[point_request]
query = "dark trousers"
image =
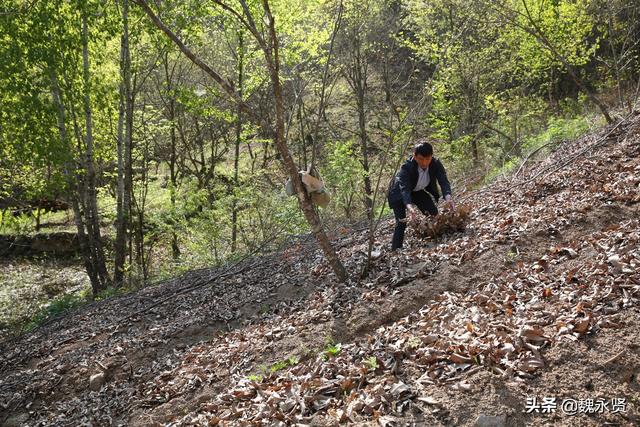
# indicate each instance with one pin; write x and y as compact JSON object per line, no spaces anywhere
{"x":423,"y":201}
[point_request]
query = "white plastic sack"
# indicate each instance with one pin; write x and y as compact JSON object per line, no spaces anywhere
{"x":313,"y":186}
{"x":311,"y":183}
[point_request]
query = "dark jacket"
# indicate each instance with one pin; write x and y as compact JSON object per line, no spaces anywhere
{"x":406,"y":179}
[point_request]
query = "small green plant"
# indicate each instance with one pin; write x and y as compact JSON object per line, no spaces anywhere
{"x":255,"y":378}
{"x":293,"y":360}
{"x":278,"y":366}
{"x":331,"y":349}
{"x":414,"y":342}
{"x":371,"y":363}
{"x":265,"y":308}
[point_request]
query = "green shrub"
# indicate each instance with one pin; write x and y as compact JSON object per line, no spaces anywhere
{"x":57,"y":306}
{"x":502,"y":170}
{"x":344,"y":177}
{"x":20,"y":224}
{"x":559,"y":129}
{"x":556,"y":130}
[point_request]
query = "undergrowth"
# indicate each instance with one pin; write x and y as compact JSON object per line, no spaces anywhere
{"x":557,"y":130}
{"x":65,"y":303}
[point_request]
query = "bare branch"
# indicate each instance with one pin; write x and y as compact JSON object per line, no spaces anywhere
{"x":195,"y":59}
{"x":249,"y":23}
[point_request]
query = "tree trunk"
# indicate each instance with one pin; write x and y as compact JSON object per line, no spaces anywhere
{"x":474,"y":151}
{"x":236,"y":158}
{"x":142,"y":257}
{"x":73,"y":182}
{"x":358,"y":84}
{"x":303,"y":136}
{"x":173,"y":163}
{"x":615,"y":57}
{"x":93,"y":219}
{"x":119,"y":248}
{"x":364,"y":149}
{"x":273,"y":63}
{"x":124,"y":152}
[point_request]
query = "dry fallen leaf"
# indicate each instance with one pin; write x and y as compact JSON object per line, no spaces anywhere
{"x":582,"y":326}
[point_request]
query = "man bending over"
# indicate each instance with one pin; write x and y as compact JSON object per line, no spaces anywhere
{"x":414,"y":189}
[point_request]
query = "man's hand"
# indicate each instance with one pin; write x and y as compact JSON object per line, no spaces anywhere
{"x":449,"y":200}
{"x":412,"y":212}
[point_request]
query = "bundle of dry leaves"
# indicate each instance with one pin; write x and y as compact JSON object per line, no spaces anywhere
{"x":448,"y":222}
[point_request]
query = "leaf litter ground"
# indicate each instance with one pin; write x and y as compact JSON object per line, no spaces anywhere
{"x":537,"y":298}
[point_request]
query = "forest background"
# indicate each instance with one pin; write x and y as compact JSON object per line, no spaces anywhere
{"x":161,"y":133}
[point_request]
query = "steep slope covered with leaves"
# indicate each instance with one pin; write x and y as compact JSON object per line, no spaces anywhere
{"x":538,"y":297}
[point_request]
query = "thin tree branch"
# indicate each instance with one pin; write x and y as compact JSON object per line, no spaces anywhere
{"x":249,"y":23}
{"x":196,"y":60}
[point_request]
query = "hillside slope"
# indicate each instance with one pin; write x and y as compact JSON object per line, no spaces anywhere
{"x":538,"y":298}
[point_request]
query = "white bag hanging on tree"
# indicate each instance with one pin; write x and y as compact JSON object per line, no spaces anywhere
{"x":313,"y":185}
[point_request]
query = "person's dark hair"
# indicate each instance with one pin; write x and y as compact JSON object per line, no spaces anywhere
{"x":423,"y":148}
